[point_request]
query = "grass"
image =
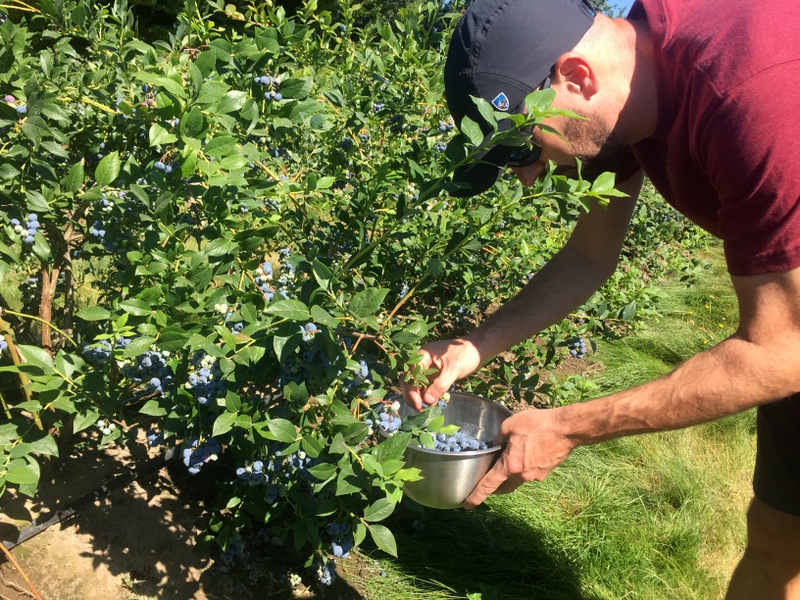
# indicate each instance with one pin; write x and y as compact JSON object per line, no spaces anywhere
{"x":658,"y":517}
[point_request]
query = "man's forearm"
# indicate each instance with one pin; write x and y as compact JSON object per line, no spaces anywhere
{"x":562,"y":285}
{"x":729,"y":378}
{"x":585,"y":262}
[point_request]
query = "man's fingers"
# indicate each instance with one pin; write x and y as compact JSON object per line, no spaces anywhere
{"x":490,"y":482}
{"x":435,"y":390}
{"x":412,"y":396}
{"x":411,"y":393}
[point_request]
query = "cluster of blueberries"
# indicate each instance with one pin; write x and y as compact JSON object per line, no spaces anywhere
{"x":150,"y":367}
{"x":97,"y":353}
{"x":3,"y":345}
{"x":388,"y":423}
{"x":165,"y":168}
{"x":197,"y":454}
{"x":154,"y":438}
{"x":30,"y":228}
{"x":327,"y":572}
{"x":205,"y":383}
{"x":309,"y":330}
{"x":459,"y":442}
{"x":267,"y":81}
{"x":342,"y":542}
{"x":263,"y":276}
{"x":440,"y":146}
{"x":18,"y":106}
{"x":577,"y":347}
{"x":97,"y":229}
{"x":234,"y":548}
{"x":277,"y":152}
{"x":276,"y":472}
{"x":254,"y":473}
{"x":105,"y":426}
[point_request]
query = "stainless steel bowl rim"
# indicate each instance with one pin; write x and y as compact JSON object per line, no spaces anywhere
{"x":491,"y":450}
{"x":453,"y":454}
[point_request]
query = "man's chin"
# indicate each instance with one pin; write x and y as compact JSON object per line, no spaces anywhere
{"x":592,"y":168}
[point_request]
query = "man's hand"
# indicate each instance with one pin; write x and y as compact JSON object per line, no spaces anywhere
{"x":452,"y":359}
{"x":535,"y":445}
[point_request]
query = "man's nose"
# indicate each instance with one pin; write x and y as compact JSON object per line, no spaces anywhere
{"x":528,"y":174}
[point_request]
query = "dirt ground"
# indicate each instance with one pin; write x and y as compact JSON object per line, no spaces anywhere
{"x":134,"y":542}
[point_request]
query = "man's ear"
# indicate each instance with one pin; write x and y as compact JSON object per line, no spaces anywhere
{"x":574,"y":72}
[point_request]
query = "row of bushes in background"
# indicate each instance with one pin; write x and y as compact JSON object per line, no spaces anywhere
{"x":233,"y":241}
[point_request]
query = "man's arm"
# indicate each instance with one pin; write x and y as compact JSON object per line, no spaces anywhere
{"x":585,"y":262}
{"x":760,"y":363}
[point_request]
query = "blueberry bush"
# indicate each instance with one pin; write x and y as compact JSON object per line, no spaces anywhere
{"x":233,"y":241}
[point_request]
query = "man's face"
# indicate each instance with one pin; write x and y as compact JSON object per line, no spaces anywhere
{"x":593,"y":141}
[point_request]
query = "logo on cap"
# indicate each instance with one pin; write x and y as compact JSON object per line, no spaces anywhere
{"x":501,"y":102}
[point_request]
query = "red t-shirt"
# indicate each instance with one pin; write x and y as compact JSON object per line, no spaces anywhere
{"x":726,"y":151}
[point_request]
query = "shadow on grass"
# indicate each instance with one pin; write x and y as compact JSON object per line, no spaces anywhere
{"x":481,"y":551}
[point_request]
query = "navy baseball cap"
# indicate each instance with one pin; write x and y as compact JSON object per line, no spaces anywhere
{"x":501,"y":51}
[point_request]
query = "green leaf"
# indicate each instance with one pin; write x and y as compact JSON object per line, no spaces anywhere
{"x":338,"y":445}
{"x":138,"y":345}
{"x":367,"y":302}
{"x":231,"y":101}
{"x":472,"y":130}
{"x":159,"y":81}
{"x":73,"y":181}
{"x":383,"y":539}
{"x":173,"y":338}
{"x":629,"y":311}
{"x":136,"y":307}
{"x":540,"y":100}
{"x":193,"y":123}
{"x":38,"y":357}
{"x":153,"y":409}
{"x":293,"y":310}
{"x":486,"y":110}
{"x":108,"y":169}
{"x":223,"y":423}
{"x":220,"y":146}
{"x":93,"y":313}
{"x":426,"y":439}
{"x":85,"y":420}
{"x":392,"y":448}
{"x":323,"y":472}
{"x":22,"y":475}
{"x":379,"y":510}
{"x":347,"y":482}
{"x":322,"y":274}
{"x":436,"y":423}
{"x":160,"y":136}
{"x":322,"y":317}
{"x":603,"y":183}
{"x":283,"y":430}
{"x":297,"y":89}
{"x":8,"y":172}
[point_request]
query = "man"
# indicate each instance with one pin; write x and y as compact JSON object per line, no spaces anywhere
{"x":700,"y":95}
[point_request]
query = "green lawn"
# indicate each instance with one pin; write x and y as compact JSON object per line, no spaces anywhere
{"x":659,"y":516}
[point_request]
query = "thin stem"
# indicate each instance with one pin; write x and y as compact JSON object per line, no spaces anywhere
{"x":21,"y":572}
{"x":35,"y":318}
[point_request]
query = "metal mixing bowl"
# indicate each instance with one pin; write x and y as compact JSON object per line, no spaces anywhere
{"x":449,"y":477}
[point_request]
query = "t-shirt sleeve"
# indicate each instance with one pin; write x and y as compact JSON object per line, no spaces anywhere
{"x":751,"y":144}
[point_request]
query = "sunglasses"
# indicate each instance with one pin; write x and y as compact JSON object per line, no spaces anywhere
{"x":530,"y":152}
{"x":524,"y":155}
